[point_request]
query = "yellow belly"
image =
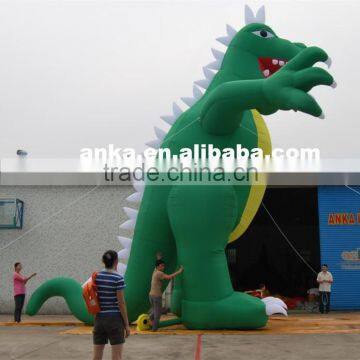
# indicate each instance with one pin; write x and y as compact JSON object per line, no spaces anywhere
{"x":257,"y":191}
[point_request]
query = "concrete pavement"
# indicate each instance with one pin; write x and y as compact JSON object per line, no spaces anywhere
{"x":34,"y":341}
{"x":45,"y":343}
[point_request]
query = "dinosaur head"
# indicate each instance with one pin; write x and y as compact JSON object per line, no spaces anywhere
{"x":256,"y":51}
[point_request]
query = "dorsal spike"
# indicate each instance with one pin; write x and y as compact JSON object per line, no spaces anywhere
{"x":136,"y":197}
{"x":125,"y":242}
{"x":249,"y":15}
{"x":154,"y":143}
{"x":131,"y":213}
{"x":197,"y":92}
{"x":215,"y":65}
{"x":128,"y":225}
{"x":160,"y":133}
{"x":230,"y":31}
{"x":124,"y":254}
{"x":204,"y":83}
{"x":218,"y":55}
{"x":121,"y":268}
{"x":169,"y":119}
{"x":177,"y":109}
{"x":139,"y":185}
{"x":225,"y":40}
{"x":189,"y":101}
{"x":260,"y":15}
{"x":208,"y":73}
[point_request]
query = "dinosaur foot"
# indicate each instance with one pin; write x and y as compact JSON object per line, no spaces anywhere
{"x":236,"y":311}
{"x":274,"y":306}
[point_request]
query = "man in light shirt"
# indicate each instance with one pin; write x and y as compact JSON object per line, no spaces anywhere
{"x":155,"y":295}
{"x":325,"y":280}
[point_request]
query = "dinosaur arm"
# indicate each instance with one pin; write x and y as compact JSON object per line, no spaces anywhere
{"x":224,"y":108}
{"x":287,"y":89}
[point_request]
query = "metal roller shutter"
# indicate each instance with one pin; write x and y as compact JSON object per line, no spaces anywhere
{"x":339,"y":222}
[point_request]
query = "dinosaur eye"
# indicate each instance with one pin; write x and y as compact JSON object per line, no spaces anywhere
{"x":264,"y":34}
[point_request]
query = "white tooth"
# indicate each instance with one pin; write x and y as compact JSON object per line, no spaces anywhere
{"x":281,"y":62}
{"x":275,"y":61}
{"x":266,"y":72}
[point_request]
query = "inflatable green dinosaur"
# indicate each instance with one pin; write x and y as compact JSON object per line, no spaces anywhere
{"x":260,"y":73}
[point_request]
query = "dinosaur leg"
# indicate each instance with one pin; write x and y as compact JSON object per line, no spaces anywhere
{"x":202,"y":218}
{"x":152,"y":235}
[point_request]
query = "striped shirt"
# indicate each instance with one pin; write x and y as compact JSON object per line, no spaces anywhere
{"x":108,"y":283}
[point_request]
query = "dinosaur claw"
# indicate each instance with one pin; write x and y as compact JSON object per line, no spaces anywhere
{"x":322,"y":116}
{"x":328,"y":62}
{"x":334,"y":85}
{"x":274,"y":306}
{"x":271,"y":299}
{"x":272,"y":309}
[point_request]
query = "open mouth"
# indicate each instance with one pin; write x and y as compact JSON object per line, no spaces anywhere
{"x":269,"y":66}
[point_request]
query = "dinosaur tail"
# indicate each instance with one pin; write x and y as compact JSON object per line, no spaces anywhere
{"x":67,"y":288}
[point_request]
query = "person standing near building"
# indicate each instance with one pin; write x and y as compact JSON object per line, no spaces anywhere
{"x":19,"y":282}
{"x":155,"y":295}
{"x":325,"y":279}
{"x":111,"y":323}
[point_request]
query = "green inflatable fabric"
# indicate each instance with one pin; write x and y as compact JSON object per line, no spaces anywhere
{"x":67,"y":288}
{"x":260,"y":73}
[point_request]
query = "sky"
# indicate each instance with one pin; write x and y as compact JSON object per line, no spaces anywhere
{"x":78,"y":74}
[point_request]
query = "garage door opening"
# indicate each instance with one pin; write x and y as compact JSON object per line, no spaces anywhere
{"x":263,"y":255}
